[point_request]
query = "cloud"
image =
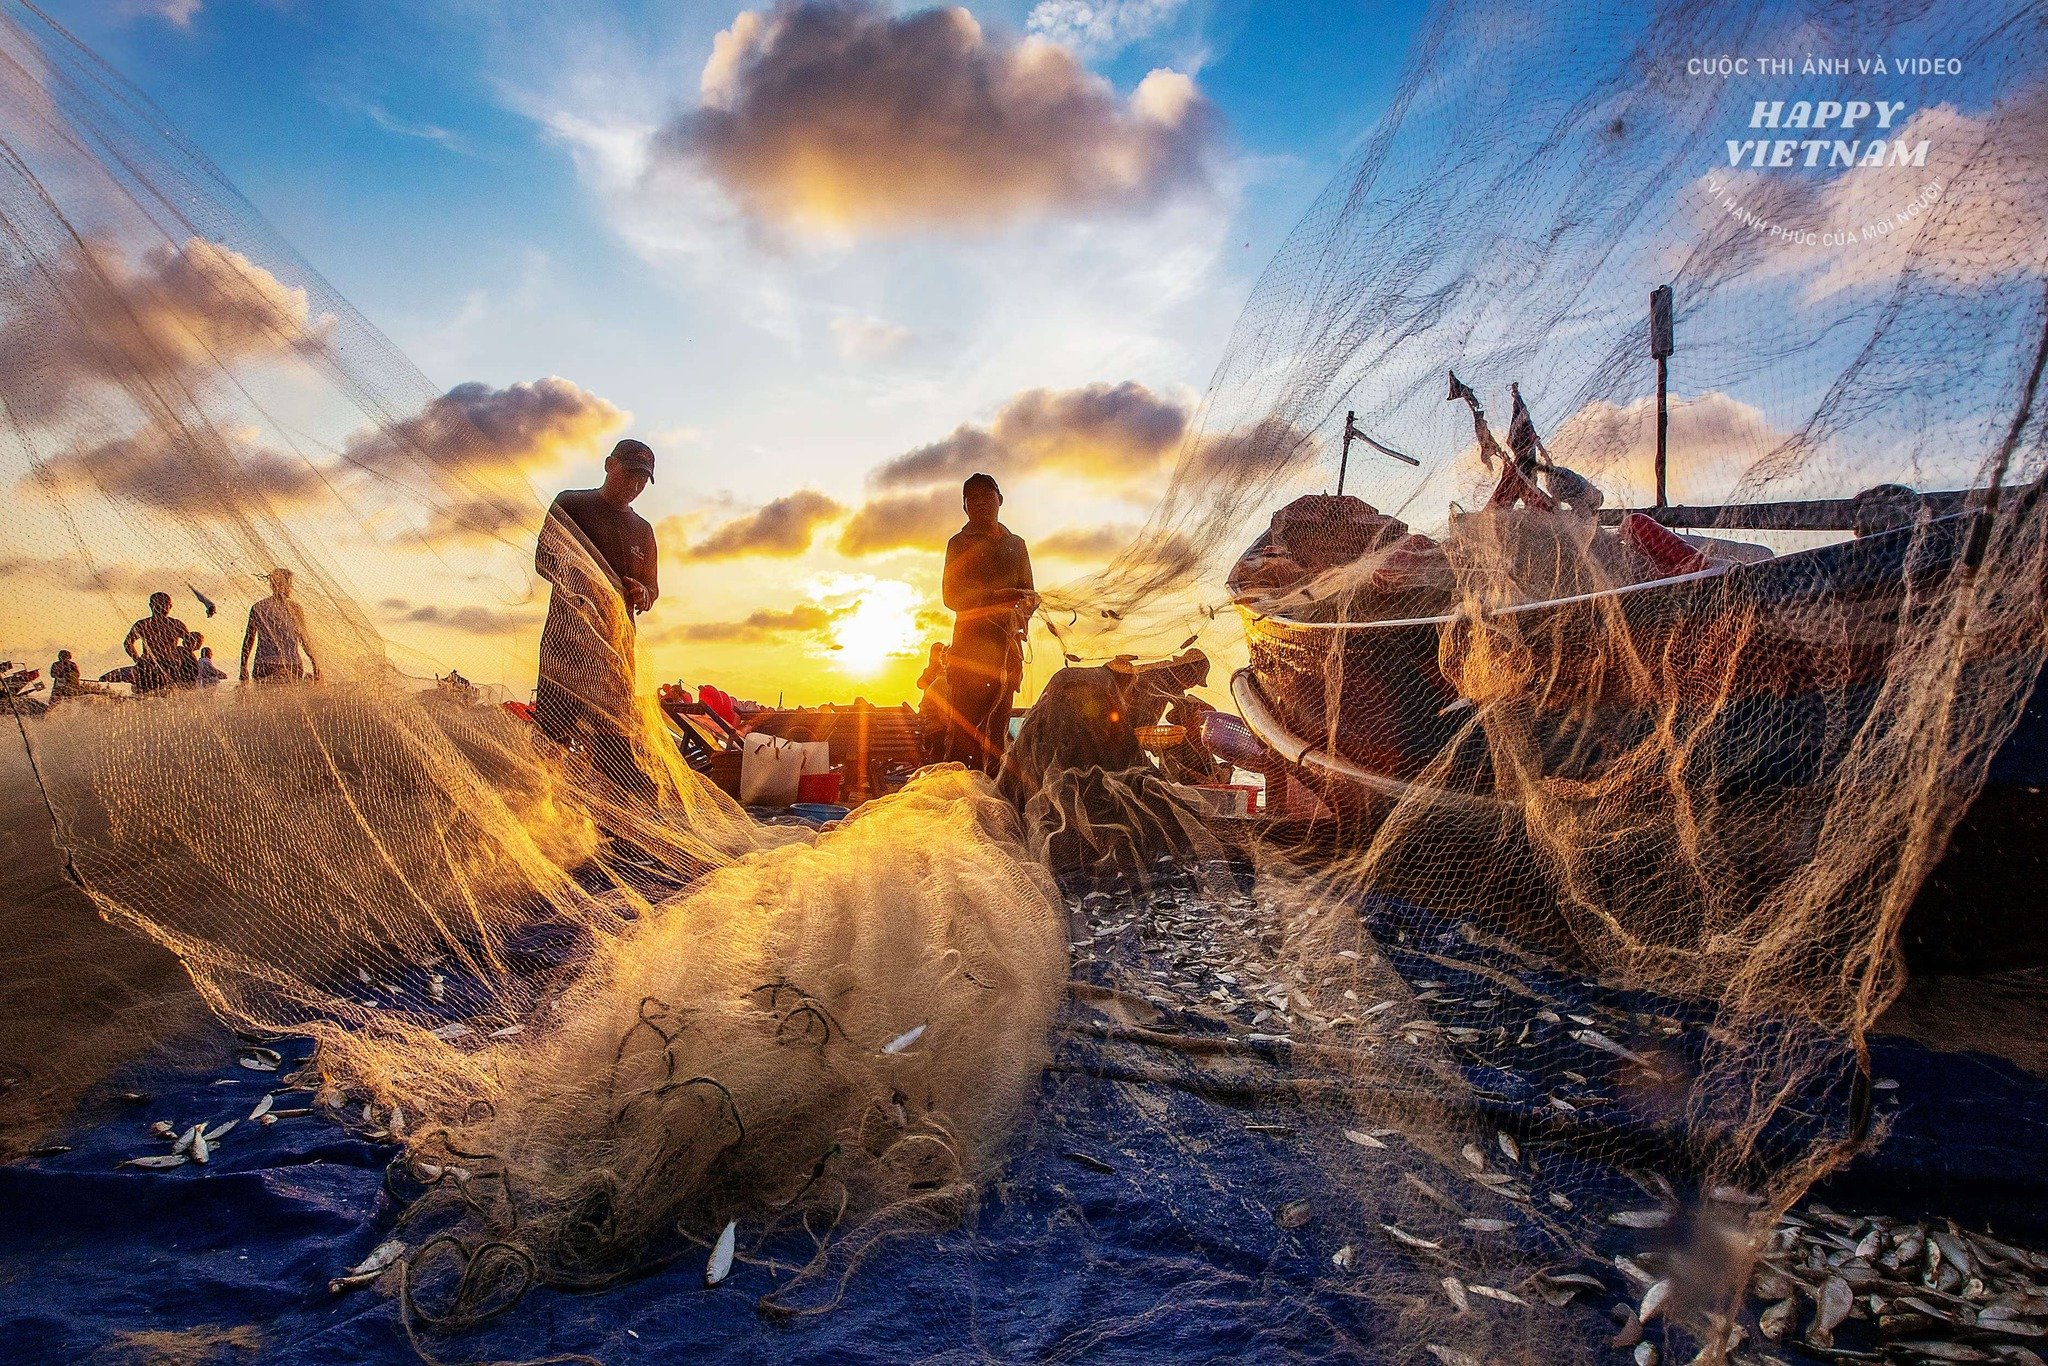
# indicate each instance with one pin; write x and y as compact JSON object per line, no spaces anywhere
{"x":497,"y":435}
{"x":806,"y":618}
{"x":425,"y":132}
{"x":864,"y":340}
{"x":783,"y":528}
{"x":1094,"y":543}
{"x":471,"y":619}
{"x":1992,"y":170}
{"x":1100,"y":28}
{"x":96,"y":321}
{"x":837,"y":115}
{"x":195,"y":471}
{"x":1714,"y":440}
{"x":897,"y":521}
{"x":175,"y":12}
{"x":1116,"y":434}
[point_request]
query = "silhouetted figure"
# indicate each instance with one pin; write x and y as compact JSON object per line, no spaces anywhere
{"x":989,"y":589}
{"x":934,"y":710}
{"x":210,"y":674}
{"x":276,"y":637}
{"x":65,"y":679}
{"x":160,"y":646}
{"x":600,"y":558}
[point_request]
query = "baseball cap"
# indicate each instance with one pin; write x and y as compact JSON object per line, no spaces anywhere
{"x":635,"y":455}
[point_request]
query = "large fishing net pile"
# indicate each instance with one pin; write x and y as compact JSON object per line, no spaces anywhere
{"x":1611,"y":886}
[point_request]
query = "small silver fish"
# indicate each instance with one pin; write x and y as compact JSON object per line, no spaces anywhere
{"x":1473,"y":1157}
{"x":904,"y":1040}
{"x":157,"y":1163}
{"x":1640,"y":1218}
{"x":1362,"y":1139}
{"x":1508,"y":1147}
{"x":1654,"y":1300}
{"x":1504,"y":1296}
{"x":202,"y":1151}
{"x":259,"y":1059}
{"x":720,"y":1265}
{"x":163,"y":1128}
{"x":1486,"y":1225}
{"x":1778,"y":1320}
{"x":1344,"y":1258}
{"x":1407,"y":1239}
{"x":507,"y":1032}
{"x":1294,"y":1214}
{"x":187,"y":1139}
{"x":214,"y":1134}
{"x":1836,"y":1299}
{"x":263,"y":1106}
{"x":1454,"y":1289}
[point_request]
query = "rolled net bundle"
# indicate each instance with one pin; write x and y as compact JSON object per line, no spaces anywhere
{"x":598,"y":1007}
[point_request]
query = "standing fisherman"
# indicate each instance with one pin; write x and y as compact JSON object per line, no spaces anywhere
{"x":599,"y":556}
{"x":276,"y":634}
{"x":988,"y":586}
{"x":161,"y":647}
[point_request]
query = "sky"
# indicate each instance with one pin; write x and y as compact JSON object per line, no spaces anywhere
{"x":818,"y":333}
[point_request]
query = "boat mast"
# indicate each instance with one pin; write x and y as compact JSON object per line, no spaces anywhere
{"x":1660,"y":347}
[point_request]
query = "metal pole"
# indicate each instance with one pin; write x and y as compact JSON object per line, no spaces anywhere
{"x":1661,"y":347}
{"x":1344,"y":459}
{"x":1663,"y":430}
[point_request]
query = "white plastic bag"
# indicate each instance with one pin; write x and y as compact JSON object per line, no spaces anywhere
{"x":769,"y":770}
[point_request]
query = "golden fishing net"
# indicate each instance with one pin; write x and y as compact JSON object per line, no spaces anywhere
{"x":1583,"y":875}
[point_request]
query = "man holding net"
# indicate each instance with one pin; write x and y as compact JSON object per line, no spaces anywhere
{"x":599,"y":557}
{"x":989,"y":589}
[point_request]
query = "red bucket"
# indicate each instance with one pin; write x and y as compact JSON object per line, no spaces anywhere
{"x":818,"y":787}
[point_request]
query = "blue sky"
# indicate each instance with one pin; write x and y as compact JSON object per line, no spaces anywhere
{"x":448,"y":166}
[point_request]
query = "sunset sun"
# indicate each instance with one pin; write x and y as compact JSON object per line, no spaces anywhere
{"x":882,"y":622}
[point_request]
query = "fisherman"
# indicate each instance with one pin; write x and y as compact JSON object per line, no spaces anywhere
{"x":160,"y":646}
{"x":210,"y":675}
{"x":277,"y":636}
{"x":65,"y":680}
{"x":600,"y":558}
{"x":988,"y":586}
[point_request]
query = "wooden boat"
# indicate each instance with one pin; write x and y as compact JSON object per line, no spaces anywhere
{"x":1365,"y":713}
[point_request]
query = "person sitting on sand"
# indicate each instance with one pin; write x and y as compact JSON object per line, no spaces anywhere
{"x":210,"y":674}
{"x":158,"y":644}
{"x":276,"y":636}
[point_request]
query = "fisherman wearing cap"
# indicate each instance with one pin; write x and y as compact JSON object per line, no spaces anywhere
{"x":276,"y":636}
{"x":599,"y":557}
{"x":989,"y":589}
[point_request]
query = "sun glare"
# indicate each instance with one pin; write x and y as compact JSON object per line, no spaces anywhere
{"x":883,"y":623}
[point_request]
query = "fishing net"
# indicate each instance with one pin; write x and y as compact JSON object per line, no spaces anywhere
{"x":1602,"y":834}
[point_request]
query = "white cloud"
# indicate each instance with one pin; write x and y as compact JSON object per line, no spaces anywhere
{"x":1101,"y":28}
{"x":864,"y":340}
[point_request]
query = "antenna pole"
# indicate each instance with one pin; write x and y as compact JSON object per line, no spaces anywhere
{"x":1344,"y":458}
{"x":1660,"y":347}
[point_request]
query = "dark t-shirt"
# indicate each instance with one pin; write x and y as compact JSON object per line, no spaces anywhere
{"x":165,"y":659}
{"x":980,"y":566}
{"x":620,"y":536}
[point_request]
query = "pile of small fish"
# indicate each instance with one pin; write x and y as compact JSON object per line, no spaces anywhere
{"x":1905,"y":1291}
{"x":196,"y":1143}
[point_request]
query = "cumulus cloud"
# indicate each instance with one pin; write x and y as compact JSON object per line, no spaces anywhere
{"x":99,"y":320}
{"x":782,"y":528}
{"x":196,"y":471}
{"x":898,"y":521}
{"x":175,"y":12}
{"x":1099,"y":28}
{"x":806,"y":618}
{"x":1714,"y":440}
{"x":479,"y":432}
{"x":839,"y":115}
{"x":1109,"y":433}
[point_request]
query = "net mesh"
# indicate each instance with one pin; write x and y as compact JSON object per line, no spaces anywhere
{"x":1603,"y":840}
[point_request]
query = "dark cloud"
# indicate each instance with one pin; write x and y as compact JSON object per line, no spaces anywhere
{"x":806,"y":618}
{"x":471,"y":618}
{"x":895,"y":521}
{"x":840,"y":114}
{"x":1113,"y":434}
{"x":491,"y":434}
{"x":782,"y":528}
{"x":195,"y":471}
{"x":167,"y":324}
